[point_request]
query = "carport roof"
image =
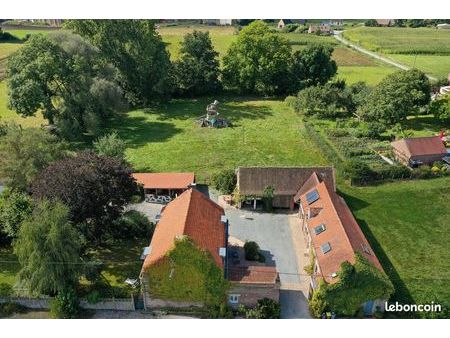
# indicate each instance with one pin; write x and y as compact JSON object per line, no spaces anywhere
{"x":165,"y":180}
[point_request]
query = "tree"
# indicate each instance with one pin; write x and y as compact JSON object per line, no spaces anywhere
{"x":440,"y":107}
{"x":197,"y":71}
{"x":47,"y":248}
{"x":24,"y":152}
{"x":138,"y":52}
{"x":251,"y":251}
{"x":62,"y":76}
{"x":398,"y":95}
{"x":258,"y":61}
{"x":312,"y":66}
{"x":96,"y":188}
{"x":110,"y":145}
{"x":15,"y":207}
{"x":224,"y":181}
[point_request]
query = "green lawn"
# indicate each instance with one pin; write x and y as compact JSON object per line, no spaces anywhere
{"x":436,"y":65}
{"x":22,"y":32}
{"x":166,"y":138}
{"x":407,"y":225}
{"x":9,"y":266}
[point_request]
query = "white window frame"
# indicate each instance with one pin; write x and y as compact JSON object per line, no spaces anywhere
{"x":233,"y":298}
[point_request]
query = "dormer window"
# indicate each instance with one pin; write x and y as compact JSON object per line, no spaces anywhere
{"x":326,"y":247}
{"x":319,"y":229}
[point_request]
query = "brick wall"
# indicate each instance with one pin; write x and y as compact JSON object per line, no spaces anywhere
{"x":249,"y":294}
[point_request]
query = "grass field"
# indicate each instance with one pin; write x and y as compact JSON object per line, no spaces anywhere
{"x":370,"y":74}
{"x":264,"y":132}
{"x":436,"y":65}
{"x":407,"y":225}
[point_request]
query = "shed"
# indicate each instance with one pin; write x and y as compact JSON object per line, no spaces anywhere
{"x":419,"y":150}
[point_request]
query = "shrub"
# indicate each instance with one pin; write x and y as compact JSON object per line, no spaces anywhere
{"x":93,"y":297}
{"x":224,"y":181}
{"x":268,"y":198}
{"x":251,"y":251}
{"x":133,"y":224}
{"x":265,"y":309}
{"x":110,"y":145}
{"x":6,"y":290}
{"x":65,"y":305}
{"x":394,"y":172}
{"x":423,"y":172}
{"x":338,"y":132}
{"x":220,"y":311}
{"x":93,"y":270}
{"x":359,"y":173}
{"x":9,"y":308}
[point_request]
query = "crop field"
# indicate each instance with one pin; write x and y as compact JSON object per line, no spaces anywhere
{"x":393,"y":40}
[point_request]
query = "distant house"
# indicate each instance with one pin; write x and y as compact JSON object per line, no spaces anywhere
{"x":419,"y":150}
{"x":283,"y":22}
{"x":195,"y":216}
{"x":165,"y":184}
{"x":337,"y":22}
{"x":324,"y":28}
{"x":331,"y":233}
{"x":218,"y":22}
{"x":385,"y":22}
{"x":286,"y":181}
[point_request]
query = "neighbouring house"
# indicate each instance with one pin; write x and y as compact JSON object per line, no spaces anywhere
{"x":331,"y":232}
{"x":336,"y":22}
{"x":419,"y":150}
{"x":250,"y":281}
{"x":283,"y":22}
{"x":197,"y":217}
{"x":286,"y":182}
{"x":218,"y":22}
{"x":385,"y":22}
{"x":323,"y":27}
{"x":165,"y":184}
{"x":191,"y":214}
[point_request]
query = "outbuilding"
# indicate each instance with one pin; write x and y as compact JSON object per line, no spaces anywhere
{"x":419,"y":150}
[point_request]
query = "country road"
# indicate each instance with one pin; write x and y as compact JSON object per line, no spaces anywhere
{"x":338,"y":36}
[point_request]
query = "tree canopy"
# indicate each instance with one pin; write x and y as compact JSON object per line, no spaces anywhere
{"x":47,"y":248}
{"x":96,"y":188}
{"x":197,"y":71}
{"x":440,"y":107}
{"x":15,"y":207}
{"x":62,"y":76}
{"x":138,"y":52}
{"x":258,"y":61}
{"x":110,"y":145}
{"x":24,"y":152}
{"x":398,"y":95}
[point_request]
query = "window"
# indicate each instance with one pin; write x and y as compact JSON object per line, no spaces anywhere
{"x":319,"y":229}
{"x":312,"y":196}
{"x":326,"y":247}
{"x":233,"y":299}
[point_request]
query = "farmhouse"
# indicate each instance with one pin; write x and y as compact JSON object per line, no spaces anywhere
{"x":419,"y":150}
{"x":324,"y":28}
{"x":286,"y":182}
{"x":283,"y":22}
{"x":165,"y":184}
{"x":331,"y":232}
{"x":385,"y":22}
{"x":195,"y":216}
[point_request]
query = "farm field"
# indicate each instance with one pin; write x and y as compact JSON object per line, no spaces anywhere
{"x":407,"y":226}
{"x":166,"y":138}
{"x":427,"y":49}
{"x":370,"y":74}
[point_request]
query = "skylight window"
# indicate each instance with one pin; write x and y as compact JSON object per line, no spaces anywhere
{"x":319,"y":229}
{"x":366,"y":249}
{"x":326,"y":247}
{"x":312,"y":196}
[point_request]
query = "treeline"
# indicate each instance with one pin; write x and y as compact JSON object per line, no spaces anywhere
{"x":412,"y":23}
{"x":78,"y":80}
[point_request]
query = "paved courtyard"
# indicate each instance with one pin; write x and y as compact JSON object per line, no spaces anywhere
{"x":280,"y":239}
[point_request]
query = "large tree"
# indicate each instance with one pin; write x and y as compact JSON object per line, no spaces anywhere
{"x":136,"y":49}
{"x":197,"y":71}
{"x":62,"y":76}
{"x":398,"y":95}
{"x":24,"y":152}
{"x":96,"y":188}
{"x":47,"y":248}
{"x":258,"y":61}
{"x":312,"y":66}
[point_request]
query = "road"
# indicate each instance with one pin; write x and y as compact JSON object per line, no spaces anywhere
{"x":338,"y":36}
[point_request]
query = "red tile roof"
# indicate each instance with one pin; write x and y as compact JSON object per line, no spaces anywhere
{"x":253,"y":274}
{"x":342,"y":232}
{"x":417,"y":146}
{"x":165,"y":180}
{"x":191,"y":214}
